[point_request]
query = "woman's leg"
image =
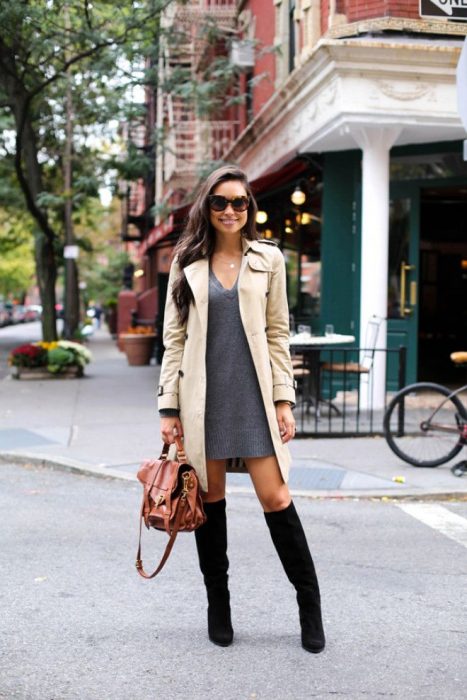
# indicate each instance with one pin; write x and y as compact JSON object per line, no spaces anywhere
{"x":290,"y":542}
{"x":216,"y":469}
{"x":272,"y":491}
{"x":211,"y":543}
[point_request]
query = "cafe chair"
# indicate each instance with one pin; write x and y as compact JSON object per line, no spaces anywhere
{"x":301,"y":375}
{"x":367,"y":355}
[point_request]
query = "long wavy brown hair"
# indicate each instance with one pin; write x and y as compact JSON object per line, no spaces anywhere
{"x":198,"y":238}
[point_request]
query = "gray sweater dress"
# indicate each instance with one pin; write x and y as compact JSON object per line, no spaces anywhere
{"x":235,"y":422}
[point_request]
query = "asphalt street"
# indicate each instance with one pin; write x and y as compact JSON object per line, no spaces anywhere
{"x":79,"y":623}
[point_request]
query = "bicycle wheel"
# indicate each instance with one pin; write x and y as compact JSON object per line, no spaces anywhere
{"x":420,"y":434}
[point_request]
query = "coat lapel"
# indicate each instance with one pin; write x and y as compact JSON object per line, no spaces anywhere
{"x":197,"y":275}
{"x":255,"y":261}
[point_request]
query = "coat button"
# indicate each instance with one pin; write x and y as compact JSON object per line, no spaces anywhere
{"x":180,"y":373}
{"x":186,"y":336}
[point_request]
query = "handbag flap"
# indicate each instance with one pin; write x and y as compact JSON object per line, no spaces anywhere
{"x":159,"y":475}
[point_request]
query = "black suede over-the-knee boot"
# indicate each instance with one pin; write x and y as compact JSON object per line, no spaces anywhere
{"x":290,"y":542}
{"x":211,"y":542}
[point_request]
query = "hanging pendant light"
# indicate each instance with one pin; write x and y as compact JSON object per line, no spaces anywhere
{"x":298,"y":196}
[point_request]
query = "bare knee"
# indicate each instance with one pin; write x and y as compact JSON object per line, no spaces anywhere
{"x":276,"y":500}
{"x":272,"y":491}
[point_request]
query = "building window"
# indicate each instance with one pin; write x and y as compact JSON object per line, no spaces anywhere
{"x":287,"y":38}
{"x":292,"y":37}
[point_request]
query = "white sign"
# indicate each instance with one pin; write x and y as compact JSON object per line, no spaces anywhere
{"x":461,"y":79}
{"x":452,"y":9}
{"x":71,"y":252}
{"x":242,"y":54}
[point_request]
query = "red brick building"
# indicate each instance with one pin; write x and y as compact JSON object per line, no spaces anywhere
{"x":356,"y":109}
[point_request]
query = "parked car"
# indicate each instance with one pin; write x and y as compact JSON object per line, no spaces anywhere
{"x":33,"y":312}
{"x":7,"y":313}
{"x":18,"y":313}
{"x":4,"y":315}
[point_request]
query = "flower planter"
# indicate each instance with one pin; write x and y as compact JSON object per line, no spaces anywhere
{"x":72,"y":372}
{"x":138,"y":347}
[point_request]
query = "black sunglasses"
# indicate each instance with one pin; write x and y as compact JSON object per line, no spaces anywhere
{"x":219,"y":203}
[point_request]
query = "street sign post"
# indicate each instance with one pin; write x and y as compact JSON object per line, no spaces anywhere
{"x":461,"y":81}
{"x":448,"y":9}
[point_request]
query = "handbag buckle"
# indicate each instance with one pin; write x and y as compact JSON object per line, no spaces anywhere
{"x":187,"y":484}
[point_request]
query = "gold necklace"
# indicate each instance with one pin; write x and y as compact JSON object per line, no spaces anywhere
{"x":231,"y":264}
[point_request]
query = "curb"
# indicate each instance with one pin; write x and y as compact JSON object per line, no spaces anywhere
{"x":25,"y":459}
{"x":68,"y":465}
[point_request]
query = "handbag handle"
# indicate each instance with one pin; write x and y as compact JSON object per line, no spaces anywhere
{"x":181,"y":458}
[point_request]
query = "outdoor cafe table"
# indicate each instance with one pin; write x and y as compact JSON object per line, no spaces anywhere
{"x":310,"y":346}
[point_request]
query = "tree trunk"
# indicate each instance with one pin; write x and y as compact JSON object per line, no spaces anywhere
{"x":28,"y":171}
{"x":71,"y":312}
{"x":46,"y":270}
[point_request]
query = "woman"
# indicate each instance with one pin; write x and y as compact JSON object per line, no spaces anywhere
{"x":227,"y":386}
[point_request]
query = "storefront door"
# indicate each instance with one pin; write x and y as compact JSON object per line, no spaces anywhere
{"x":442,"y":319}
{"x":427,"y":280}
{"x":403,"y":279}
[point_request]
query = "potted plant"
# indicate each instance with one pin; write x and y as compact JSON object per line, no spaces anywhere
{"x":68,"y":357}
{"x":45,"y":360}
{"x":138,"y":344}
{"x":28,"y":359}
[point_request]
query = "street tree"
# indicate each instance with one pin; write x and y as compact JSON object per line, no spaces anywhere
{"x":45,"y":48}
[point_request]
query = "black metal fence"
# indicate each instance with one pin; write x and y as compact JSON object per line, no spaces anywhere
{"x":335,"y":389}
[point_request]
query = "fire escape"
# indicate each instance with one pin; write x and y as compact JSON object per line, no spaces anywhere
{"x":137,"y":196}
{"x":191,"y":141}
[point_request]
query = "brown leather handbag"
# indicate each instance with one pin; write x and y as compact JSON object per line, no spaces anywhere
{"x":171,"y":500}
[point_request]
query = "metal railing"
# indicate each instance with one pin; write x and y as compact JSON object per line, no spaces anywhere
{"x":334,"y":398}
{"x":192,"y":142}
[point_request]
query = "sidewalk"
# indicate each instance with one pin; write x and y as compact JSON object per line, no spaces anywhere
{"x":106,"y":423}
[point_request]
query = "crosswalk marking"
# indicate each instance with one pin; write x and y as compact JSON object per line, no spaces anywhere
{"x":439,"y":518}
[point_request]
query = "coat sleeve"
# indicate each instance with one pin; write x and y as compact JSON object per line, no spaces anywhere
{"x":277,"y":319}
{"x":174,"y":343}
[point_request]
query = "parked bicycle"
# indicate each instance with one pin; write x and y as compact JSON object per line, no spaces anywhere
{"x":425,"y":424}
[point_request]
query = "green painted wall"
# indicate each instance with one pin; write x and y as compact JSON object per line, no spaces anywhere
{"x":340,"y":241}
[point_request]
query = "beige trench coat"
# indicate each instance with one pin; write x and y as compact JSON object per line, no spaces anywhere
{"x":265,"y":317}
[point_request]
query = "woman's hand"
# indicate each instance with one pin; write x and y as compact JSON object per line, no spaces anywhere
{"x":168,"y":425}
{"x":285,"y":420}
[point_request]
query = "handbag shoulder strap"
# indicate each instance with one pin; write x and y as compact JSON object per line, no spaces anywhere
{"x":181,"y":458}
{"x":170,"y":543}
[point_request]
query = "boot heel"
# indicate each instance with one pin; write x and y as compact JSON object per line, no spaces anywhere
{"x":312,"y":632}
{"x":220,"y":630}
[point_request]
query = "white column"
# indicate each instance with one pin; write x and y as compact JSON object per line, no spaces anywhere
{"x":375,"y":144}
